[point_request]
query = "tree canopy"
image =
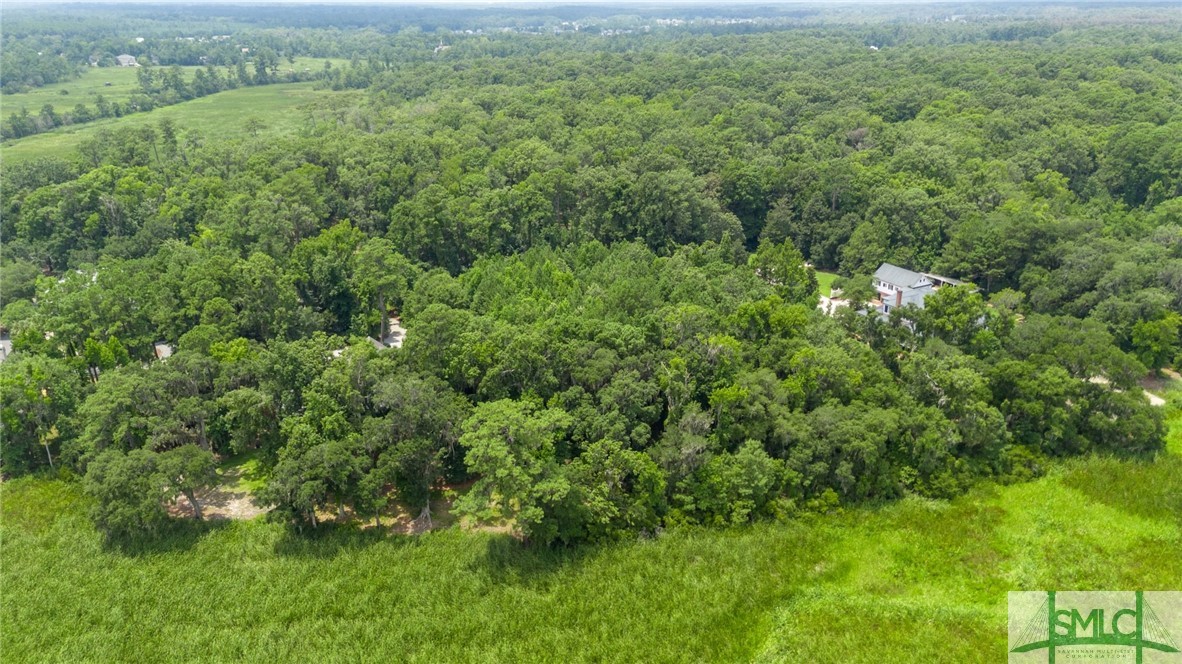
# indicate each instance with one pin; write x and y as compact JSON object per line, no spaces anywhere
{"x":603,"y":249}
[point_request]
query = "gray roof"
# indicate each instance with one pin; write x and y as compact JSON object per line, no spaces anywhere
{"x":893,"y":274}
{"x":944,"y":280}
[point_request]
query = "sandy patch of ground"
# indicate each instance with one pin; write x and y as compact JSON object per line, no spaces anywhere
{"x":227,"y":501}
{"x":396,"y":518}
{"x":1166,"y":380}
{"x":830,"y":305}
{"x":1147,"y":383}
{"x":221,"y":502}
{"x":1158,"y":384}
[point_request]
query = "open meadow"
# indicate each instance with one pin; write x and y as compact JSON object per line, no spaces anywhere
{"x":916,"y":580}
{"x":223,"y":115}
{"x":114,"y":84}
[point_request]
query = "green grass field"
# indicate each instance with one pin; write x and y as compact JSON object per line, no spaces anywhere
{"x":913,"y":581}
{"x":246,"y":468}
{"x":82,"y":90}
{"x":825,"y":281}
{"x":123,"y":84}
{"x":223,"y":114}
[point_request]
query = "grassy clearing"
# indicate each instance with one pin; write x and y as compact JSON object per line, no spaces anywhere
{"x":82,"y":90}
{"x":247,"y":471}
{"x":915,"y":580}
{"x":223,"y":114}
{"x":123,"y":84}
{"x":825,"y":281}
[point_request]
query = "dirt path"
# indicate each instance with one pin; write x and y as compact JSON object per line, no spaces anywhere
{"x":1159,"y":384}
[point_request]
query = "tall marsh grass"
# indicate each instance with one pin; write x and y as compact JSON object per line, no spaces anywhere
{"x":915,"y":580}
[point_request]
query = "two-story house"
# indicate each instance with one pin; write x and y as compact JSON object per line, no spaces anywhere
{"x":898,"y":286}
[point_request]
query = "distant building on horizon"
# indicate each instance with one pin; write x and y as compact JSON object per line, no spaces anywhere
{"x":126,"y":60}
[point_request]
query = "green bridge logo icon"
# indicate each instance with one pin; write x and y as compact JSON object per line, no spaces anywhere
{"x":1054,"y":626}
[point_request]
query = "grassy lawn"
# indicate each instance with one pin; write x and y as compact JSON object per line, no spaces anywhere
{"x":915,"y":580}
{"x":223,"y":114}
{"x":123,"y":84}
{"x":825,"y":281}
{"x":245,"y":468}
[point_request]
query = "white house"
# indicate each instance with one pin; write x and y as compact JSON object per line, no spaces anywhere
{"x":898,"y":286}
{"x":126,"y":60}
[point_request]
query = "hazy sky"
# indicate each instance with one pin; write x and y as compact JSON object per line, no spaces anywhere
{"x":479,"y":3}
{"x":552,"y":3}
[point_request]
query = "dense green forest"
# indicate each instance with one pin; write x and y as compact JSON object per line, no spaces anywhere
{"x":601,"y":247}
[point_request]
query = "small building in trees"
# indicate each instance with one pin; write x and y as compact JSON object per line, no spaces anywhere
{"x":898,"y":286}
{"x":126,"y":60}
{"x":162,"y":350}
